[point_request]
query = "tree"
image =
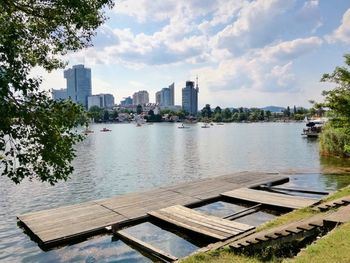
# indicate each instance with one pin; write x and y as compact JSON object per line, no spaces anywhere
{"x":36,"y":133}
{"x":139,"y":109}
{"x":335,"y":137}
{"x":95,"y":113}
{"x":217,"y":110}
{"x":105,"y":116}
{"x":206,"y":111}
{"x":115,"y":115}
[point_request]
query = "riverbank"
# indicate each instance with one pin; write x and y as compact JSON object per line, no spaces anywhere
{"x":331,"y":247}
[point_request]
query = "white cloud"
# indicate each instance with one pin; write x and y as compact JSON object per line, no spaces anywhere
{"x":290,"y":49}
{"x":342,"y":33}
{"x":269,"y":69}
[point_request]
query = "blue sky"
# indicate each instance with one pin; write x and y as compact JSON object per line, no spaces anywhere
{"x":245,"y":53}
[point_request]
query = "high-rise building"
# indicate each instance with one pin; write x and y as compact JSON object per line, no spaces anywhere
{"x":141,"y":97}
{"x":108,"y":100}
{"x":78,"y":84}
{"x":101,"y":100}
{"x":158,"y":97}
{"x":59,"y":94}
{"x":172,"y":94}
{"x":190,"y":97}
{"x":126,"y":101}
{"x":165,"y":97}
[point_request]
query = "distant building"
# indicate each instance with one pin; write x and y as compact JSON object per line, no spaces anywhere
{"x":78,"y":84}
{"x":59,"y":94}
{"x":101,"y":100}
{"x":108,"y":100}
{"x":126,"y":101}
{"x":95,"y":100}
{"x":165,"y":97}
{"x":190,"y":98}
{"x":158,"y":97}
{"x":172,"y":94}
{"x":141,"y":97}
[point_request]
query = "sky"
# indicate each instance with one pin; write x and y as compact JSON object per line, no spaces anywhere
{"x":245,"y":53}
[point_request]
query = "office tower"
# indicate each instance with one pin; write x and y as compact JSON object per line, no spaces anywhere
{"x":165,"y":97}
{"x":190,"y":97}
{"x":78,"y":84}
{"x":59,"y":94}
{"x":141,"y":97}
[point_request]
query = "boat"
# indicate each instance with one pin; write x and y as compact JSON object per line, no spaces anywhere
{"x":206,"y":125}
{"x":219,"y":123}
{"x":313,"y":127}
{"x":105,"y":130}
{"x":183,"y":127}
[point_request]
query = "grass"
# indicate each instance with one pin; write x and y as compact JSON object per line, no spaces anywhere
{"x":219,"y":256}
{"x":332,"y":248}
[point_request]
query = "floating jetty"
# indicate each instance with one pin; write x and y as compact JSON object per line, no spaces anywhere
{"x":62,"y":225}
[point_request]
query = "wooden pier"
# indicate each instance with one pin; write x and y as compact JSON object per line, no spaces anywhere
{"x":61,"y":225}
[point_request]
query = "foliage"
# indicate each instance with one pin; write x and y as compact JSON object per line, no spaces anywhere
{"x":36,"y":133}
{"x":335,"y":140}
{"x":95,"y":113}
{"x":139,"y":109}
{"x":206,"y":112}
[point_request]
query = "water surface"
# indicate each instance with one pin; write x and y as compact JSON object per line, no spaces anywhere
{"x":131,"y":158}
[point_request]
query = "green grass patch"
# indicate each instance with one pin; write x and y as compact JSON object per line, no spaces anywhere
{"x":288,"y":218}
{"x":333,"y":247}
{"x":340,"y":193}
{"x":219,"y":256}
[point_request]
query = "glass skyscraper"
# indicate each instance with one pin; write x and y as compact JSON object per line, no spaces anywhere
{"x":190,"y":98}
{"x":78,"y":84}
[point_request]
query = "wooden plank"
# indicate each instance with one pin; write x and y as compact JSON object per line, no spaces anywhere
{"x":210,"y":224}
{"x":146,"y":247}
{"x":340,"y":216}
{"x":268,"y":198}
{"x":196,"y":221}
{"x":177,"y":222}
{"x":299,"y":190}
{"x":214,"y":219}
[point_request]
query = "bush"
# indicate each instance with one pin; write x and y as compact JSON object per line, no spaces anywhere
{"x":335,"y":142}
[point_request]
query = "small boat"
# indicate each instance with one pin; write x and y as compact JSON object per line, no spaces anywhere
{"x":183,"y":127}
{"x":219,"y":123}
{"x":105,"y":130}
{"x":314,"y":127}
{"x":205,"y":125}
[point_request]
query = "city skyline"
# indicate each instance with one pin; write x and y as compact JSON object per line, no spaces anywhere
{"x":250,"y":54}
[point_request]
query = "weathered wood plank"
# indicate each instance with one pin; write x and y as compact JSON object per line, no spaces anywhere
{"x":201,"y":223}
{"x":268,"y":198}
{"x":179,"y":222}
{"x":145,"y":246}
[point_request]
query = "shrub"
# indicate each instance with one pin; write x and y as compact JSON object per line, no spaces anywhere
{"x":335,"y":142}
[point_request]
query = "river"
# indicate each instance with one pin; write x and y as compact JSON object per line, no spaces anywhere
{"x":131,"y":158}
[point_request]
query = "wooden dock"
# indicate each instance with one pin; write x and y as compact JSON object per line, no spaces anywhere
{"x":272,"y":199}
{"x":61,"y":225}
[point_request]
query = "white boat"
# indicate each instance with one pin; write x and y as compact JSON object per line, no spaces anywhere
{"x":314,"y":127}
{"x":206,"y":125}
